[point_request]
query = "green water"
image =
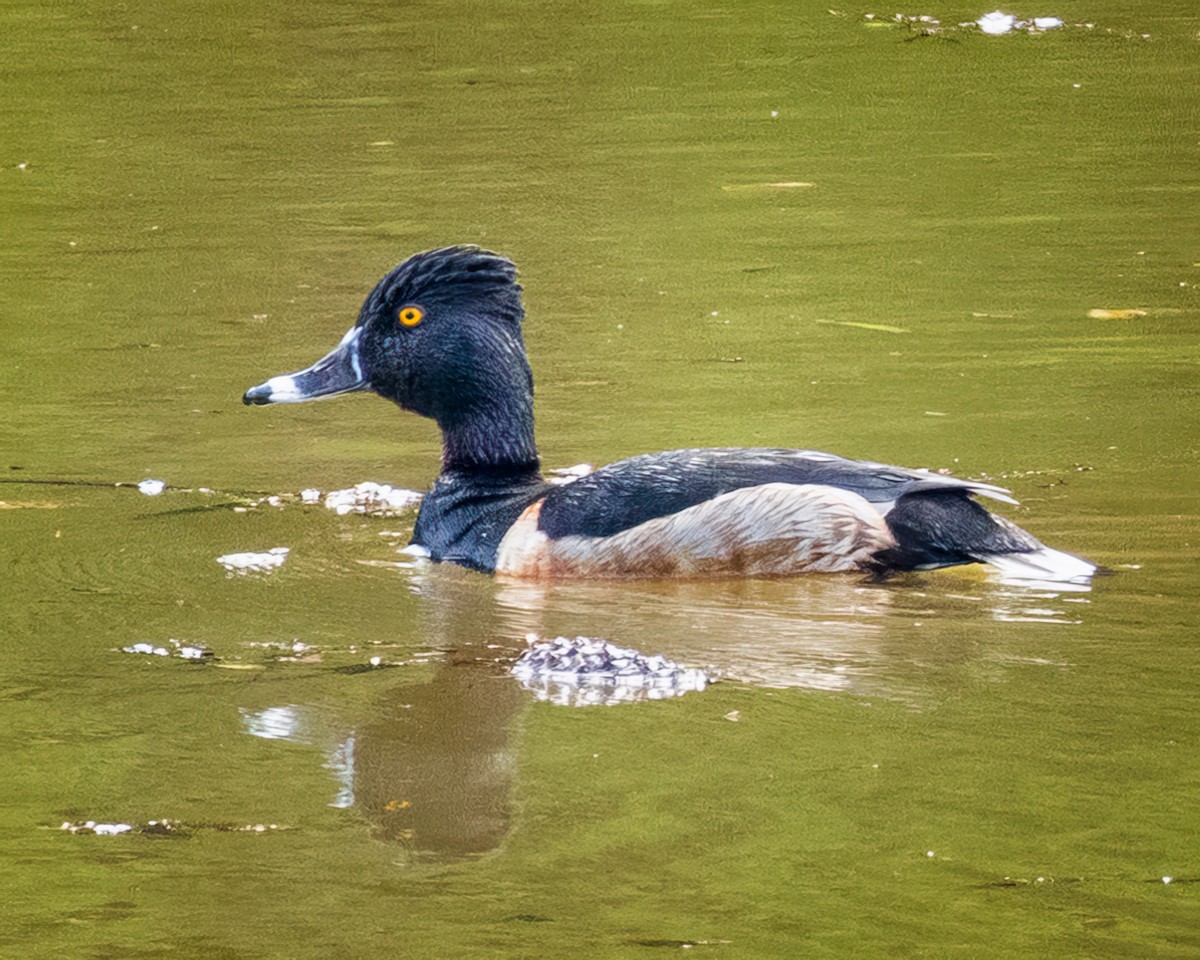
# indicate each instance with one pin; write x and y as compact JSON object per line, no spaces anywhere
{"x":941,"y":766}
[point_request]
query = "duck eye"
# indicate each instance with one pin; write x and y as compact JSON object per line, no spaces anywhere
{"x":410,"y":316}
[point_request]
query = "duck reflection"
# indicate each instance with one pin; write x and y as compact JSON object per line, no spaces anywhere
{"x":815,"y":632}
{"x":435,"y":766}
{"x":434,"y":769}
{"x":830,"y":633}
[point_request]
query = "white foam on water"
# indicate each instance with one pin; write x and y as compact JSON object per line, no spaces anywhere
{"x":250,"y":562}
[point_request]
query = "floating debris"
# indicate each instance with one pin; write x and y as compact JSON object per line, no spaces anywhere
{"x":177,"y":648}
{"x":375,"y":663}
{"x":882,"y":327}
{"x":100,"y":829}
{"x":996,"y":24}
{"x":151,"y":488}
{"x":1027,"y":881}
{"x":243,"y":563}
{"x":923,"y":24}
{"x":1127,"y":314}
{"x":295,"y":651}
{"x":375,"y":499}
{"x":774,"y":185}
{"x":159,"y":828}
{"x":588,"y":671}
{"x":681,"y":944}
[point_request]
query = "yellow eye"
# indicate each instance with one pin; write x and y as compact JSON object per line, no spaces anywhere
{"x":410,"y":316}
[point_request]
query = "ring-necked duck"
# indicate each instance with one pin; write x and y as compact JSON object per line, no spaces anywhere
{"x":441,"y":335}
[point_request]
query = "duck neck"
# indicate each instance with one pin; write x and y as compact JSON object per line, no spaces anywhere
{"x":489,"y":476}
{"x":495,"y":442}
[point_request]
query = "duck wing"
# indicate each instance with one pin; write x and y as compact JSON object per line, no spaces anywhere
{"x":630,"y":492}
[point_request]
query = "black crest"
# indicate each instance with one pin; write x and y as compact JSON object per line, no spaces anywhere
{"x":449,"y":277}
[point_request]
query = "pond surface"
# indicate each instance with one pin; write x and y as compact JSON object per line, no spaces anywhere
{"x":751,"y":224}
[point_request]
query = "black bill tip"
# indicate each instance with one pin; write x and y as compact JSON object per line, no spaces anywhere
{"x":257,"y":396}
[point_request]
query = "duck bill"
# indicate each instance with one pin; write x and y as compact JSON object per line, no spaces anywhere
{"x":339,"y":371}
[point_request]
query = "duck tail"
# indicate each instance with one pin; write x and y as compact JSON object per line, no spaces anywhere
{"x":941,"y":528}
{"x":1043,"y":563}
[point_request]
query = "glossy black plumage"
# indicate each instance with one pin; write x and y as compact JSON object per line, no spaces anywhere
{"x":629,"y":492}
{"x":464,"y":517}
{"x":462,"y":362}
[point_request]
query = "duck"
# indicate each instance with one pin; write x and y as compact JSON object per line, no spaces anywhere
{"x":441,"y":336}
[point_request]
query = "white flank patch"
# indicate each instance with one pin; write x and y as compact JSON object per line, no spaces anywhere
{"x":773,"y":529}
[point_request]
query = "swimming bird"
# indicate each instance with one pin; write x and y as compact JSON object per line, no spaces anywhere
{"x":440,"y":335}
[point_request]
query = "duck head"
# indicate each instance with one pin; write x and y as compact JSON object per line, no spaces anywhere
{"x":440,"y":335}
